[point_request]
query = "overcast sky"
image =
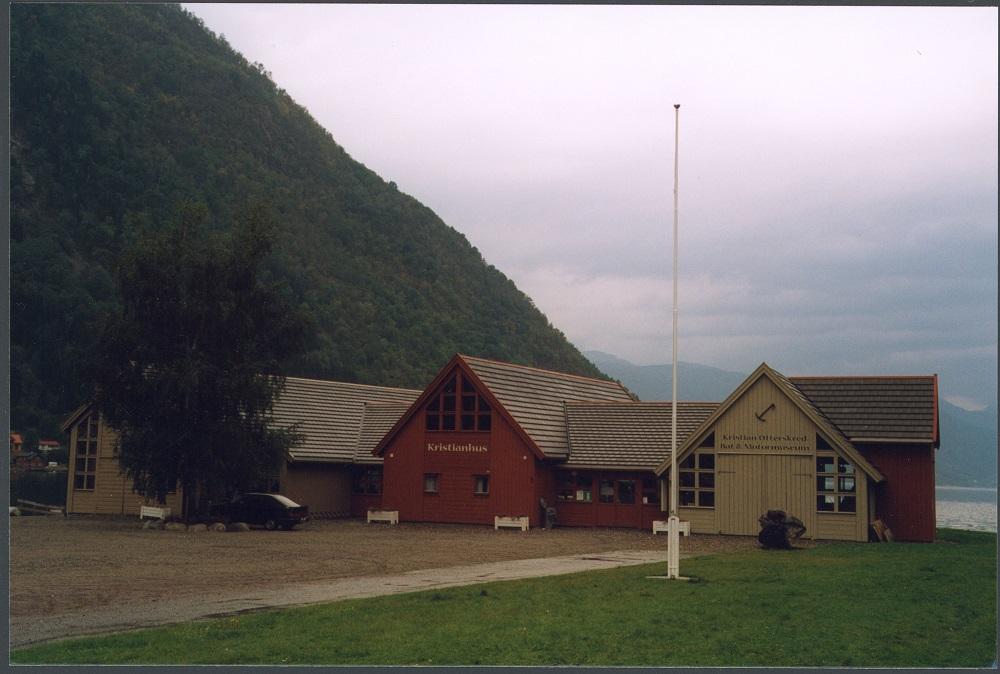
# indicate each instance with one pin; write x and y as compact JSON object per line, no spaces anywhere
{"x":838,"y":167}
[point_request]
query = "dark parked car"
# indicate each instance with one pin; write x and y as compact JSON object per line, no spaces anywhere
{"x":270,"y":510}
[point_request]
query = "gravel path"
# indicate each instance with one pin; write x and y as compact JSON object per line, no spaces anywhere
{"x":83,"y":575}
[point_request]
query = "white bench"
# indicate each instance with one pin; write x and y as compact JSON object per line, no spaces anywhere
{"x":511,"y":522}
{"x":156,"y":512}
{"x":660,"y":526}
{"x":390,"y":516}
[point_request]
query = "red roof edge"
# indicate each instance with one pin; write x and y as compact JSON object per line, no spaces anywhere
{"x":937,"y":431}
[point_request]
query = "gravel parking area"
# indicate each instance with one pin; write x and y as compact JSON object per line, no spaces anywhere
{"x":60,"y":565}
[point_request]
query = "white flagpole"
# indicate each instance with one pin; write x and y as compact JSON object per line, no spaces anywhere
{"x":673,"y":522}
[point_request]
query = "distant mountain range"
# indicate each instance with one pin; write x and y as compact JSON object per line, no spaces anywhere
{"x":968,"y":454}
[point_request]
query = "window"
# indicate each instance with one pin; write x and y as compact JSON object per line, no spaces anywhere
{"x":626,"y":491}
{"x":431,"y":483}
{"x":85,"y":467}
{"x":481,"y":485}
{"x":696,"y":483}
{"x":607,"y":491}
{"x":571,"y":486}
{"x":650,"y":494}
{"x":367,"y":481}
{"x":457,"y":406}
{"x":836,"y":486}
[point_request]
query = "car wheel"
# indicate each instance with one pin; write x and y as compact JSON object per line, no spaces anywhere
{"x":270,"y":525}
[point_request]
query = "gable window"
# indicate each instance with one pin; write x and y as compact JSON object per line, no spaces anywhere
{"x":696,"y":486}
{"x":85,"y":467}
{"x":836,"y":485}
{"x":481,"y":485}
{"x":457,"y":406}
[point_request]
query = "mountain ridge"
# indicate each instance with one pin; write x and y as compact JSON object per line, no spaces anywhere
{"x":122,"y":112}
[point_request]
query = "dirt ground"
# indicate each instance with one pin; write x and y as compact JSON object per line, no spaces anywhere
{"x":60,"y":565}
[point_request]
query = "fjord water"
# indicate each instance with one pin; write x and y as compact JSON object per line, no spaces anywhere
{"x":972,"y":508}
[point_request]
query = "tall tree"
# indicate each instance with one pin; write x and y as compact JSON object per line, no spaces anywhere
{"x":187,"y":370}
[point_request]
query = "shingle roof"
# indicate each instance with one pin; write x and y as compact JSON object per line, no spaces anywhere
{"x":876,"y":407}
{"x":809,"y":404}
{"x":628,"y":435}
{"x":377,"y":420}
{"x":329,"y":414}
{"x":534,"y":398}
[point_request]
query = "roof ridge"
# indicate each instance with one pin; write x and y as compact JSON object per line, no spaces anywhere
{"x":351,"y":383}
{"x":541,"y":369}
{"x":641,"y":402}
{"x":861,"y":376}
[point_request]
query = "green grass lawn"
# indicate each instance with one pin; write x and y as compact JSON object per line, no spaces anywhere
{"x":896,"y":605}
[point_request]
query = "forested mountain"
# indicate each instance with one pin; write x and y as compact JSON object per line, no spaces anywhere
{"x":121,"y":112}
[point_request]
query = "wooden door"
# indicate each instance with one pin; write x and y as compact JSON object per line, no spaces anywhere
{"x":789,"y":486}
{"x":739,"y":493}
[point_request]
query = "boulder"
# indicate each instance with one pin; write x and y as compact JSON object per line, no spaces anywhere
{"x":197,"y":528}
{"x":238,"y":526}
{"x":217,"y":526}
{"x":175,"y":526}
{"x":778,"y":529}
{"x":154,"y":525}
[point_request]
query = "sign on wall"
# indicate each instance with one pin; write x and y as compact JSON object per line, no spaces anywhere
{"x":765,"y":442}
{"x":466,"y":448}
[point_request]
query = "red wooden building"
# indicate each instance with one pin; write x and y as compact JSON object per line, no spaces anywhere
{"x":489,"y":439}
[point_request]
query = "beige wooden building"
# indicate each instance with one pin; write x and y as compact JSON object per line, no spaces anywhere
{"x":333,"y":417}
{"x":769,"y":447}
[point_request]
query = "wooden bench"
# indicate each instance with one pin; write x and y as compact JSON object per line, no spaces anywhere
{"x":660,"y":526}
{"x":510,"y":522}
{"x":156,"y":512}
{"x":390,"y":516}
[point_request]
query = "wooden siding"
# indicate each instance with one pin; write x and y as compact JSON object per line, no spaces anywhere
{"x":785,"y":419}
{"x":325,"y":488}
{"x":513,"y":471}
{"x":739,"y":498}
{"x":637,"y":515}
{"x":112,"y":493}
{"x":512,"y":467}
{"x":906,"y":500}
{"x":703,"y":520}
{"x":837,"y":526}
{"x":770,"y":464}
{"x":403,"y":472}
{"x":790,"y":485}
